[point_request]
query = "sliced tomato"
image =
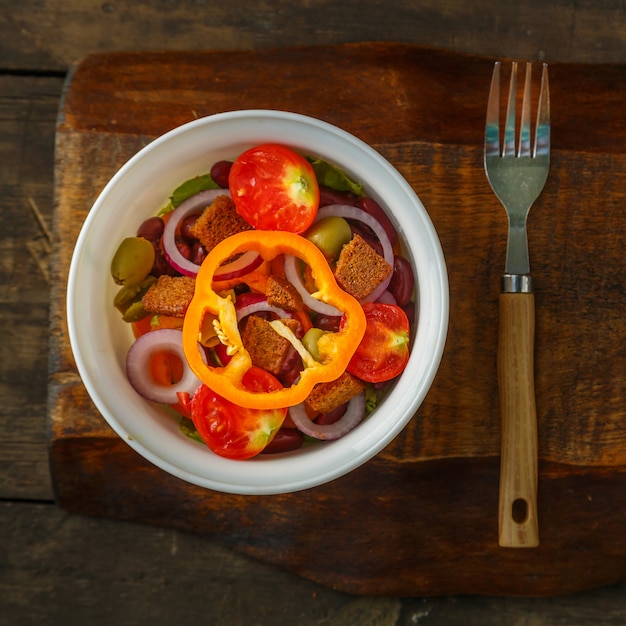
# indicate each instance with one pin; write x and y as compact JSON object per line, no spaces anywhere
{"x":181,"y":409}
{"x":384,"y":350}
{"x":183,"y":406}
{"x":233,"y":431}
{"x":274,"y":188}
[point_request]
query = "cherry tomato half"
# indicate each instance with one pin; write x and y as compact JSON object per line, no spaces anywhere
{"x":274,"y":188}
{"x":384,"y":350}
{"x":233,"y":431}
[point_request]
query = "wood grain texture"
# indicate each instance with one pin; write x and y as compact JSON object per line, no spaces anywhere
{"x":28,"y":109}
{"x":74,"y":570}
{"x":518,"y":524}
{"x":420,"y":519}
{"x":375,"y":91}
{"x":568,"y":30}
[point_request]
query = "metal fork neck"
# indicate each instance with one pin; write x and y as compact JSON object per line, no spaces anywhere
{"x":516,"y":283}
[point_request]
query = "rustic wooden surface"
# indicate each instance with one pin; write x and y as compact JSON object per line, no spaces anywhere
{"x":62,"y":568}
{"x":440,"y":474}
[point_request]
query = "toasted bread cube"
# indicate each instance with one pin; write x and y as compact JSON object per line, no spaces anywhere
{"x":360,"y":269}
{"x":170,"y":295}
{"x":326,"y":397}
{"x":281,"y":293}
{"x":217,"y":222}
{"x":266,"y":347}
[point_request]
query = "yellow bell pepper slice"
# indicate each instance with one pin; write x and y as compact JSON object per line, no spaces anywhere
{"x":335,"y":351}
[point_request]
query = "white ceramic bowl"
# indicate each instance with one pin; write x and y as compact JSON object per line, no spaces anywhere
{"x":100,"y":339}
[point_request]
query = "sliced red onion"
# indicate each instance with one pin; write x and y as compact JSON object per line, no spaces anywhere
{"x":192,"y":205}
{"x":348,"y":421}
{"x":241,"y":266}
{"x":354,"y":213}
{"x":261,"y":306}
{"x":386,"y":297}
{"x":138,"y":366}
{"x":293,"y":276}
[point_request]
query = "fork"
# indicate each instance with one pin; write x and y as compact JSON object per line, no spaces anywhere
{"x":517,"y":178}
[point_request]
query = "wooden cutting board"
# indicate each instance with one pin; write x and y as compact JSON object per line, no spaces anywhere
{"x":421,"y":518}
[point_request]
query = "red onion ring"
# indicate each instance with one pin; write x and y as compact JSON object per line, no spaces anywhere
{"x":348,"y":421}
{"x":260,"y":307}
{"x":239,"y":267}
{"x":192,"y":205}
{"x":386,"y":297}
{"x":354,"y":213}
{"x":138,"y":366}
{"x":293,"y":276}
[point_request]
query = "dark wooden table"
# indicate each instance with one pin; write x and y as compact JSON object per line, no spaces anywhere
{"x":57,"y":567}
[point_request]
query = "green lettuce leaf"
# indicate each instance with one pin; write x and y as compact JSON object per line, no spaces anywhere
{"x":371,"y":399}
{"x":331,"y":176}
{"x":188,"y":429}
{"x":189,"y":188}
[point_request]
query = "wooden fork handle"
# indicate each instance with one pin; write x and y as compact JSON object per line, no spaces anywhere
{"x":518,"y":524}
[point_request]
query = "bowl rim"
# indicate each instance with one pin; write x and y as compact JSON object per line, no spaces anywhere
{"x":313,"y":466}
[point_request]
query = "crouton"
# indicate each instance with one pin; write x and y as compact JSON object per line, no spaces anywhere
{"x":170,"y":295}
{"x":360,"y":269}
{"x":266,"y":347}
{"x":217,"y":222}
{"x":326,"y":397}
{"x":281,"y":293}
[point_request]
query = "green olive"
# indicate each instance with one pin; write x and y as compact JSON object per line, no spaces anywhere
{"x":330,"y":234}
{"x":132,"y":261}
{"x":310,"y":339}
{"x":129,"y":295}
{"x":135,"y":312}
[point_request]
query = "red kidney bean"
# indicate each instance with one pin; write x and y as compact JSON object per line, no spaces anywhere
{"x":409,"y":309}
{"x":330,"y":196}
{"x":151,"y":229}
{"x":186,"y":225}
{"x":332,"y":416}
{"x":367,"y":234}
{"x":198,"y":253}
{"x":286,"y":439}
{"x":220,"y":172}
{"x":402,"y":281}
{"x":184,"y":248}
{"x":241,"y":288}
{"x":369,"y":205}
{"x":161,"y":266}
{"x":328,"y":322}
{"x":291,"y":368}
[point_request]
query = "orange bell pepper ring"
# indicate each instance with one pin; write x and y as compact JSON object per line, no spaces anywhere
{"x":207,"y":306}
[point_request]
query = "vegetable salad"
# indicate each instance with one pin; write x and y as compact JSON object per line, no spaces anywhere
{"x":270,"y":302}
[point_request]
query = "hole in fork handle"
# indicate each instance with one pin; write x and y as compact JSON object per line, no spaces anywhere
{"x":519,"y":510}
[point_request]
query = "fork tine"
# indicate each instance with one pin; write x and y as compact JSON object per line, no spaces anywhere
{"x":524,"y":133}
{"x":542,"y":130}
{"x":509,"y":131}
{"x":492,"y":126}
